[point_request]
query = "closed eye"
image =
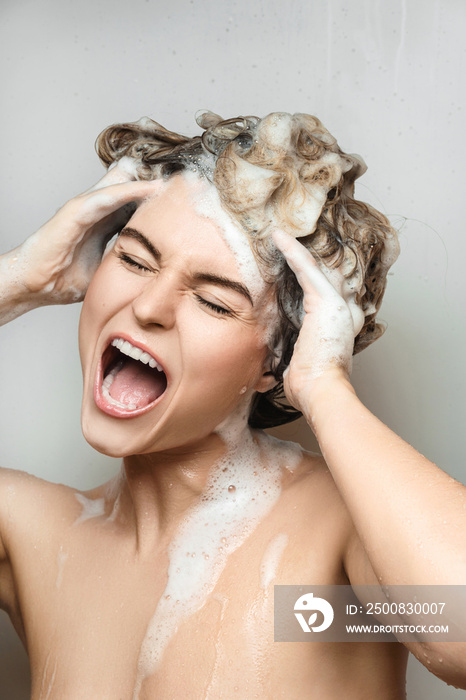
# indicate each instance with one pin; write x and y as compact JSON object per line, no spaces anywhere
{"x":214,"y":307}
{"x":132,"y":263}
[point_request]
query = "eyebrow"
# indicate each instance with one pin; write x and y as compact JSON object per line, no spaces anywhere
{"x":224,"y":282}
{"x":208,"y":277}
{"x":138,"y":236}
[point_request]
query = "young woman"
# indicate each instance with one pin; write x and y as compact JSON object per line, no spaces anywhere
{"x":160,"y":583}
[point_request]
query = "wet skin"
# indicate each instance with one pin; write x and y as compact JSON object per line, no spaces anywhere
{"x":81,"y":594}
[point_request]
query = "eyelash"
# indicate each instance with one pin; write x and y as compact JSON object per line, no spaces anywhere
{"x":126,"y":258}
{"x":218,"y":309}
{"x":214,"y":307}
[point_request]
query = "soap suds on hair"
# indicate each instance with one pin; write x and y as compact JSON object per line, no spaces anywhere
{"x":207,"y":204}
{"x":347,"y":279}
{"x":283,"y":171}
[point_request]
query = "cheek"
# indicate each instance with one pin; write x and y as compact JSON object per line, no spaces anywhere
{"x":102,"y":298}
{"x":109,"y":290}
{"x":227,"y":352}
{"x":93,"y":304}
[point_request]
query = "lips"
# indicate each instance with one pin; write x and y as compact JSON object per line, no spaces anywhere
{"x":129,"y":381}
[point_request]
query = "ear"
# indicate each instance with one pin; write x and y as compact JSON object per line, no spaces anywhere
{"x":266,"y":382}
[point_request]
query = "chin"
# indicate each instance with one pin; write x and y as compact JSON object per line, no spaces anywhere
{"x":105,"y":447}
{"x":107,"y":439}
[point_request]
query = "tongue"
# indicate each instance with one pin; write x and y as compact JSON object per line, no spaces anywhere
{"x":137,"y":384}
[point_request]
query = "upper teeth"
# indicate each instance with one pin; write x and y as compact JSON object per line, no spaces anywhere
{"x":136,"y":353}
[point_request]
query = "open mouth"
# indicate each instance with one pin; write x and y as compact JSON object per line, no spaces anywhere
{"x":130,"y":380}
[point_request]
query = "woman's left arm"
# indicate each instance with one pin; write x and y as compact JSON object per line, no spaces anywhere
{"x":409,"y":514}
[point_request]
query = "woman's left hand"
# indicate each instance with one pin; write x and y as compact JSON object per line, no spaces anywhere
{"x":324,"y":347}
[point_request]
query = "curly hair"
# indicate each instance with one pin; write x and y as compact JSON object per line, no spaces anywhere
{"x":283,"y":171}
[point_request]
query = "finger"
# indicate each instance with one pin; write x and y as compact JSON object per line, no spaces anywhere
{"x":306,"y":269}
{"x":99,"y":203}
{"x":123,"y":170}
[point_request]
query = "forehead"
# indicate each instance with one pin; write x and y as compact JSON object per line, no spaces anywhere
{"x":187,"y":216}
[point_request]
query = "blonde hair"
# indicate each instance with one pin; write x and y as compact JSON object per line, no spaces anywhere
{"x":283,"y":171}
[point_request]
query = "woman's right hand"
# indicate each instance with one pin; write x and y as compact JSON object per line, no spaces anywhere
{"x":56,"y":264}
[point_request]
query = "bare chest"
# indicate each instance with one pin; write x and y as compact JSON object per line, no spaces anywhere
{"x":111,"y":626}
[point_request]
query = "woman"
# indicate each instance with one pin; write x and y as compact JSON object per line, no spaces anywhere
{"x":159,"y":583}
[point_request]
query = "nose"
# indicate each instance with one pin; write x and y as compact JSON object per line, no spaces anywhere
{"x":155,"y":304}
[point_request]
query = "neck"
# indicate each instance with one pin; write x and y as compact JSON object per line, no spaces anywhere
{"x":159,"y":488}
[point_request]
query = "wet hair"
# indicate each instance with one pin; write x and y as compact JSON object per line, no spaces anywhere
{"x":283,"y":171}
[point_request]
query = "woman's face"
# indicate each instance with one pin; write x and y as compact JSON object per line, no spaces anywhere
{"x":181,"y":286}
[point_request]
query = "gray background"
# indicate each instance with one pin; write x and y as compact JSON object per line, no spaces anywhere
{"x":387,"y":78}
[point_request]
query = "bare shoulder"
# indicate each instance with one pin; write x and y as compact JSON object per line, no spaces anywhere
{"x":34,"y":516}
{"x":309,"y":492}
{"x":20,"y":494}
{"x":320,"y":494}
{"x":30,"y":508}
{"x":312,"y":482}
{"x":320,"y":505}
{"x":310,"y":516}
{"x":15,"y":499}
